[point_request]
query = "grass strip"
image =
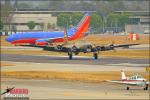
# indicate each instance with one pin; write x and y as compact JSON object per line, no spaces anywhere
{"x":68,"y":75}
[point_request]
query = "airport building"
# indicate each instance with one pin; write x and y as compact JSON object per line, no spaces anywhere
{"x":139,"y":21}
{"x":41,"y":18}
{"x":20,"y":18}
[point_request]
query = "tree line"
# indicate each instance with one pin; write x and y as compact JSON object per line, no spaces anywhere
{"x":98,"y":23}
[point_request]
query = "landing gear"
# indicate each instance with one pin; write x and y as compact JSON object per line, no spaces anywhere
{"x":70,"y":54}
{"x":95,"y":55}
{"x":128,"y":88}
{"x":146,"y":88}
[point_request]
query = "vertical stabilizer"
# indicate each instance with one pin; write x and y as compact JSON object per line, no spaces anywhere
{"x":82,"y":27}
{"x":123,"y":76}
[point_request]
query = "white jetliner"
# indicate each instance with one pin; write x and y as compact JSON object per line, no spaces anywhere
{"x":135,"y":80}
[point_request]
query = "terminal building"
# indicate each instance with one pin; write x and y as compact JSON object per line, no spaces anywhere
{"x":138,"y":21}
{"x":41,"y":18}
{"x":20,"y":18}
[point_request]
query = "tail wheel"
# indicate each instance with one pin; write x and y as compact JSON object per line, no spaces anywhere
{"x":95,"y":56}
{"x":128,"y":88}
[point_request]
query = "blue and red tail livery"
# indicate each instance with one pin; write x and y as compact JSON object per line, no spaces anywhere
{"x":43,"y":38}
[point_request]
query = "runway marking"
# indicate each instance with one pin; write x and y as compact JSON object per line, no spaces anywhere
{"x":129,"y":64}
{"x":30,"y":66}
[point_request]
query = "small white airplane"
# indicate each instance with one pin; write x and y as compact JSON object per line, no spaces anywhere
{"x":135,"y":80}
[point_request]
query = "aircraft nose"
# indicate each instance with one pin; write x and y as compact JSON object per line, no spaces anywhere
{"x":9,"y":39}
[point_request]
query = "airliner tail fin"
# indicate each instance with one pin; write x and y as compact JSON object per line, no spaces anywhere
{"x":82,"y":27}
{"x":123,"y":76}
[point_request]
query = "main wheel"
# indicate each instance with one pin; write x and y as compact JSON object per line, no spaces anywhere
{"x":146,"y":88}
{"x":70,"y":56}
{"x":95,"y":56}
{"x":128,"y":88}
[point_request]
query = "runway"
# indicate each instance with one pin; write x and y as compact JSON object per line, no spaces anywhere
{"x":75,"y":60}
{"x":59,"y":89}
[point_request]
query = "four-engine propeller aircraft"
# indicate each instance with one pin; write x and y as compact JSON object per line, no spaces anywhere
{"x":83,"y":46}
{"x":45,"y":39}
{"x":135,"y":80}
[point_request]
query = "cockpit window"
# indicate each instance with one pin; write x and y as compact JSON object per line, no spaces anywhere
{"x":134,"y":77}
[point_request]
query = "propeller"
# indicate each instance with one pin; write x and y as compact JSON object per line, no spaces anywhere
{"x":98,"y":48}
{"x":65,"y":36}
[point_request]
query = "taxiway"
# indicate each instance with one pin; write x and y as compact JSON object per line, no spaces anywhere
{"x":58,"y":89}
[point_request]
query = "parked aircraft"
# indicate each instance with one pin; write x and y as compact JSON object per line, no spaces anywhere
{"x":135,"y":80}
{"x":45,"y":38}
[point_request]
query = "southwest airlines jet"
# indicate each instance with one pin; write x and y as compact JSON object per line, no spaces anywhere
{"x":43,"y":38}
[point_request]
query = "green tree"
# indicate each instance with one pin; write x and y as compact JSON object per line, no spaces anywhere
{"x":63,"y":20}
{"x":113,"y":19}
{"x":96,"y":21}
{"x":75,"y":18}
{"x":1,"y":25}
{"x":31,"y":25}
{"x":124,"y":19}
{"x":117,"y":21}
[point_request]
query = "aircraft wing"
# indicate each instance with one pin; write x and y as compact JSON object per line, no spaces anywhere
{"x":122,"y":82}
{"x":85,"y":48}
{"x":58,"y":49}
{"x":45,"y":41}
{"x":112,"y":47}
{"x":125,"y":45}
{"x":127,"y":83}
{"x":50,"y":48}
